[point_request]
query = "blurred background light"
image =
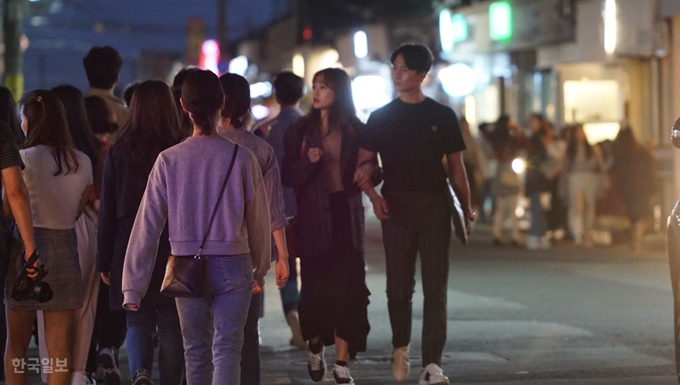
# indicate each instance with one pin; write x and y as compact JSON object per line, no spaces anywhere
{"x":238,"y":65}
{"x":519,"y":165}
{"x":360,"y":44}
{"x":457,"y":79}
{"x":446,"y":30}
{"x":259,"y":111}
{"x":260,"y":90}
{"x":610,"y":26}
{"x":210,"y":55}
{"x":299,"y":65}
{"x":370,"y":92}
{"x":500,"y":21}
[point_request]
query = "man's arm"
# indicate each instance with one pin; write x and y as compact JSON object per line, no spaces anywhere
{"x":362,"y":177}
{"x":16,"y":196}
{"x":460,"y":185}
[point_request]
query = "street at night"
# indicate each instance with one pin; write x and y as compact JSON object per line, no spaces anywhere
{"x":561,"y":316}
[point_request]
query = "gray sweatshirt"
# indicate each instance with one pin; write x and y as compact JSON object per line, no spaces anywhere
{"x":183,"y":188}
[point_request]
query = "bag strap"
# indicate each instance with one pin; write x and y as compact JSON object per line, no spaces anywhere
{"x":217,"y":205}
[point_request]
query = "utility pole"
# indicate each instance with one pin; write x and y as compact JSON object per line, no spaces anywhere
{"x":222,"y":25}
{"x":12,"y":30}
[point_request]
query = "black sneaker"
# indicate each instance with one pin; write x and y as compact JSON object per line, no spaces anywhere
{"x":142,"y":377}
{"x":316,"y":366}
{"x":342,"y":376}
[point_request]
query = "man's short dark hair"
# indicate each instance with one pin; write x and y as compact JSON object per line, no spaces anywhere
{"x":289,"y":88}
{"x":102,"y":67}
{"x":416,"y":56}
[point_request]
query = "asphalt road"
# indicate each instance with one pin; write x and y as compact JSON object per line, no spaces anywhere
{"x":561,"y":316}
{"x":564,"y":316}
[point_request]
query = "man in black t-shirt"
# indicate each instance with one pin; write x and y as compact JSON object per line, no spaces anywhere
{"x":413,"y":134}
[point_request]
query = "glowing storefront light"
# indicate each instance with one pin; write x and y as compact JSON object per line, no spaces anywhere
{"x":446,"y":30}
{"x":299,"y":65}
{"x":500,"y":21}
{"x":238,"y":65}
{"x":458,"y":79}
{"x":370,"y":92}
{"x":610,"y":26}
{"x":210,"y":55}
{"x":360,"y":45}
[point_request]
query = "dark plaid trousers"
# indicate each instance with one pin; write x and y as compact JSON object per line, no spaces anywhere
{"x":420,"y":222}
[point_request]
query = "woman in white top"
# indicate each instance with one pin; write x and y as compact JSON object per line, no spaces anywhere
{"x":59,"y":179}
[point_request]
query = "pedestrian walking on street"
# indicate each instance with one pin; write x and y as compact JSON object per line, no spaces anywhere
{"x":86,"y":233}
{"x":320,"y":158}
{"x":232,"y":236}
{"x":153,"y":127}
{"x":235,"y":112}
{"x":288,"y":89}
{"x":59,"y":180}
{"x":413,"y":134}
{"x":110,"y":325}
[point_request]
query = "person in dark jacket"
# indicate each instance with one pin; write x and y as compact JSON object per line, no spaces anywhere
{"x":320,"y":158}
{"x":153,"y":127}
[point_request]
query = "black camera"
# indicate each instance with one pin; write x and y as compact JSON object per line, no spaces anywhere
{"x":27,"y":288}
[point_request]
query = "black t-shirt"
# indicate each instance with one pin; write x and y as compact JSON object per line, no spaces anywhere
{"x":412,"y":139}
{"x":9,"y":153}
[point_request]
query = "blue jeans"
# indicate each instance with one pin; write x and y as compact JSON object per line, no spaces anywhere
{"x":141,"y":327}
{"x":250,"y":355}
{"x":539,"y":224}
{"x":222,"y":311}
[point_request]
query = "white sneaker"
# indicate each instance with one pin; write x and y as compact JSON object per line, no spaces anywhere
{"x":433,"y":375}
{"x":80,"y":378}
{"x":341,"y":375}
{"x":400,"y":364}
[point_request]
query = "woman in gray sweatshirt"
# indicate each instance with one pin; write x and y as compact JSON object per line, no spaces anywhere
{"x":183,"y":189}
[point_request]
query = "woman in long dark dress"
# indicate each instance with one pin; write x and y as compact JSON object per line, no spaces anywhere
{"x":321,"y":152}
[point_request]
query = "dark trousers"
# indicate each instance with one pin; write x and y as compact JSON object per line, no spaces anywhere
{"x":109,"y":330}
{"x":420,"y":222}
{"x":250,"y":353}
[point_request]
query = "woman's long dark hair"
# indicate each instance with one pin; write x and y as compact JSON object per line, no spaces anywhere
{"x":342,"y":113}
{"x":202,"y":98}
{"x":47,"y":126}
{"x":572,"y":145}
{"x":153,"y":124}
{"x":79,"y":127}
{"x":8,"y":114}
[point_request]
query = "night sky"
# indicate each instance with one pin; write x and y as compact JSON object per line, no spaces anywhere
{"x":61,"y":37}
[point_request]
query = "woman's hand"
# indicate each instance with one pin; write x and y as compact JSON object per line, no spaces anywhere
{"x":314,"y":154}
{"x":105,"y":278}
{"x":282,"y":272}
{"x":131,"y":306}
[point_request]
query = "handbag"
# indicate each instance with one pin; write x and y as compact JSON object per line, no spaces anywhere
{"x":184,"y":273}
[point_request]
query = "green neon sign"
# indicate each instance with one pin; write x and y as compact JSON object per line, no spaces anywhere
{"x":500,"y":21}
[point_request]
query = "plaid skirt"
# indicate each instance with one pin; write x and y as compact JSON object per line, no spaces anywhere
{"x":59,"y":253}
